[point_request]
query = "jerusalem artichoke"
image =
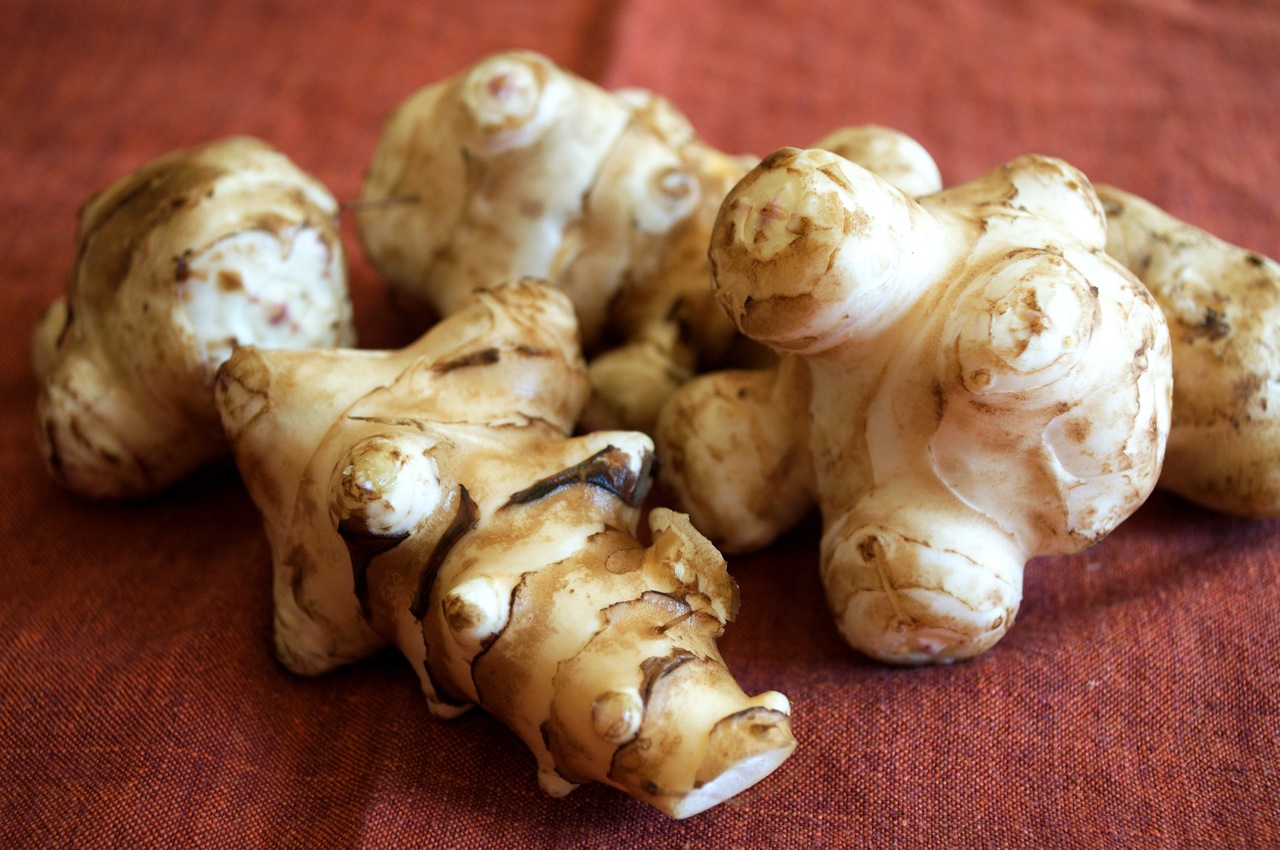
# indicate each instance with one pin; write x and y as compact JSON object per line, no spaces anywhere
{"x":431,"y":498}
{"x":516,"y":167}
{"x":1223,"y":307}
{"x":965,"y":382}
{"x":177,"y":263}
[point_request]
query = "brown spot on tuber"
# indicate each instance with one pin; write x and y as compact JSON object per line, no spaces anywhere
{"x":1249,"y":386}
{"x":857,"y":223}
{"x":228,"y":279}
{"x":870,"y":549}
{"x":1213,"y":327}
{"x":1078,"y":430}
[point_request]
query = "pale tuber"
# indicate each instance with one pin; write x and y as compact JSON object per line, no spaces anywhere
{"x":516,"y":167}
{"x":965,"y":382}
{"x":1223,"y":307}
{"x":177,"y":263}
{"x":432,"y":499}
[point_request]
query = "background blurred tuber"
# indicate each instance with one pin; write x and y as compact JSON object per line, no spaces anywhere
{"x":432,"y":499}
{"x":176,"y":264}
{"x":1223,"y":307}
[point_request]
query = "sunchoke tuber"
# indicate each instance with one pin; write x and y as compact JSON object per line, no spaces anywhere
{"x":431,"y":498}
{"x":1223,"y":307}
{"x":177,"y":263}
{"x":517,"y":167}
{"x":965,"y":382}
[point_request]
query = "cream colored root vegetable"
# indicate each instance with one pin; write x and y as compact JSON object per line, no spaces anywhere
{"x":177,"y":263}
{"x":432,"y":499}
{"x":889,"y":154}
{"x":965,"y":382}
{"x":516,"y":167}
{"x":1223,"y":307}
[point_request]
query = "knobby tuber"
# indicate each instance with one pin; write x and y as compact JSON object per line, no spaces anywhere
{"x":177,"y":263}
{"x":432,"y":498}
{"x":1223,"y":307}
{"x":965,"y":382}
{"x":516,"y":167}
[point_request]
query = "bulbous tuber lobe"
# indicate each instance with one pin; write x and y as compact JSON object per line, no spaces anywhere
{"x":433,"y":499}
{"x":178,"y":263}
{"x":965,"y":381}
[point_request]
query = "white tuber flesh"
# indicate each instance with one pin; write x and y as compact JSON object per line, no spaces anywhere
{"x":515,"y":167}
{"x":432,"y":499}
{"x":965,"y":382}
{"x":177,"y":263}
{"x":1223,"y":307}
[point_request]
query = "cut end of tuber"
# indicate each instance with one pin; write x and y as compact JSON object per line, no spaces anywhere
{"x":744,"y":749}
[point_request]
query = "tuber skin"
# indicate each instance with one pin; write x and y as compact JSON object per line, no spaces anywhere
{"x":516,"y":167}
{"x":891,"y":155}
{"x":432,"y":499}
{"x":176,"y":264}
{"x":965,"y":382}
{"x":1222,"y":304}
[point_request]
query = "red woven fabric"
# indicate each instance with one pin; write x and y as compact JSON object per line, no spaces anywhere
{"x":1135,"y":703}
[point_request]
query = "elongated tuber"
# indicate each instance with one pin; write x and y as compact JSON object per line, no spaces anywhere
{"x":177,"y":263}
{"x":516,"y":167}
{"x":1223,"y":307}
{"x":432,"y":499}
{"x":965,"y":382}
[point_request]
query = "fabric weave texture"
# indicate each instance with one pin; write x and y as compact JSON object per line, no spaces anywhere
{"x":1135,"y":704}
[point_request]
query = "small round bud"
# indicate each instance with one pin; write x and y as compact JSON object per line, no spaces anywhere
{"x":387,"y":484}
{"x":616,"y":715}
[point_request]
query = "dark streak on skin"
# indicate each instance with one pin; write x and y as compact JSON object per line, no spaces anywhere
{"x":655,"y":668}
{"x":606,"y":469}
{"x":399,"y":422}
{"x":148,"y":197}
{"x":465,"y":520}
{"x":777,"y":159}
{"x":363,"y":546}
{"x":183,"y":270}
{"x":486,"y":357}
{"x":55,"y":454}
